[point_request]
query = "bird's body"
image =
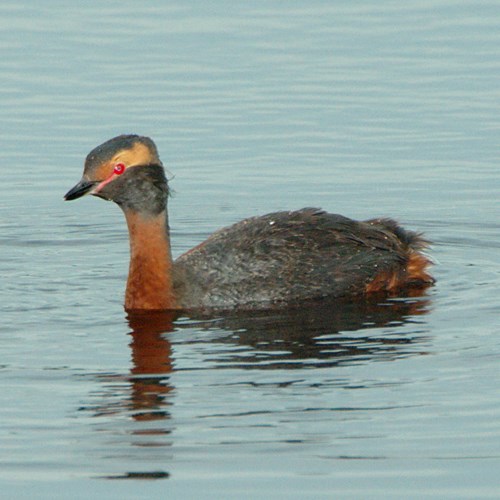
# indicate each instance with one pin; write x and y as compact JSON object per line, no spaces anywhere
{"x":290,"y":257}
{"x":279,"y":259}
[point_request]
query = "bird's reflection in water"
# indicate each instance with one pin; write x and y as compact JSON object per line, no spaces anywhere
{"x":144,"y":397}
{"x":325,"y":335}
{"x":321,"y":336}
{"x":151,"y":364}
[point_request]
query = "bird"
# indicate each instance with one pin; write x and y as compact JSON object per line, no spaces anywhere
{"x":281,"y":259}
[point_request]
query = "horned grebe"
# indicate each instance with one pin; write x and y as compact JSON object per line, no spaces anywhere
{"x":279,"y":259}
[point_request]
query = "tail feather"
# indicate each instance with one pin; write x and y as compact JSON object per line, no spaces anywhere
{"x":415,"y":272}
{"x":410,"y":239}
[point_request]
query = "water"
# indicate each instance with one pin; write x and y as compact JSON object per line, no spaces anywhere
{"x":362,"y":109}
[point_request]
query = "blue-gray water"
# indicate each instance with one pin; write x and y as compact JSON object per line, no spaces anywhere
{"x":363,"y":108}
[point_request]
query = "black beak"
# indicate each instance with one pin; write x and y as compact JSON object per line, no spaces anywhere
{"x":81,"y":189}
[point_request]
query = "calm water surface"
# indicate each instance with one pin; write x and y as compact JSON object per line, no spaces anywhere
{"x":362,"y":109}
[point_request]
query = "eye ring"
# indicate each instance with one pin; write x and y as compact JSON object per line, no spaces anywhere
{"x":119,"y":168}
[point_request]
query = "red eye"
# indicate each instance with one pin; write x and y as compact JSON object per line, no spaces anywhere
{"x":119,"y":168}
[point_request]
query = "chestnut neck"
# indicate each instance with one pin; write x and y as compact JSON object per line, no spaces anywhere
{"x":150,"y":281}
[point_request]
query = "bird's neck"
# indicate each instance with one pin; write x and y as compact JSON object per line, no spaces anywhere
{"x":150,"y":281}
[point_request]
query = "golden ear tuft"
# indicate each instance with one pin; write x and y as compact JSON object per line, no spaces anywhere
{"x":138,"y":154}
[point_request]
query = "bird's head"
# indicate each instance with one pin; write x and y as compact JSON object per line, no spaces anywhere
{"x":126,"y":170}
